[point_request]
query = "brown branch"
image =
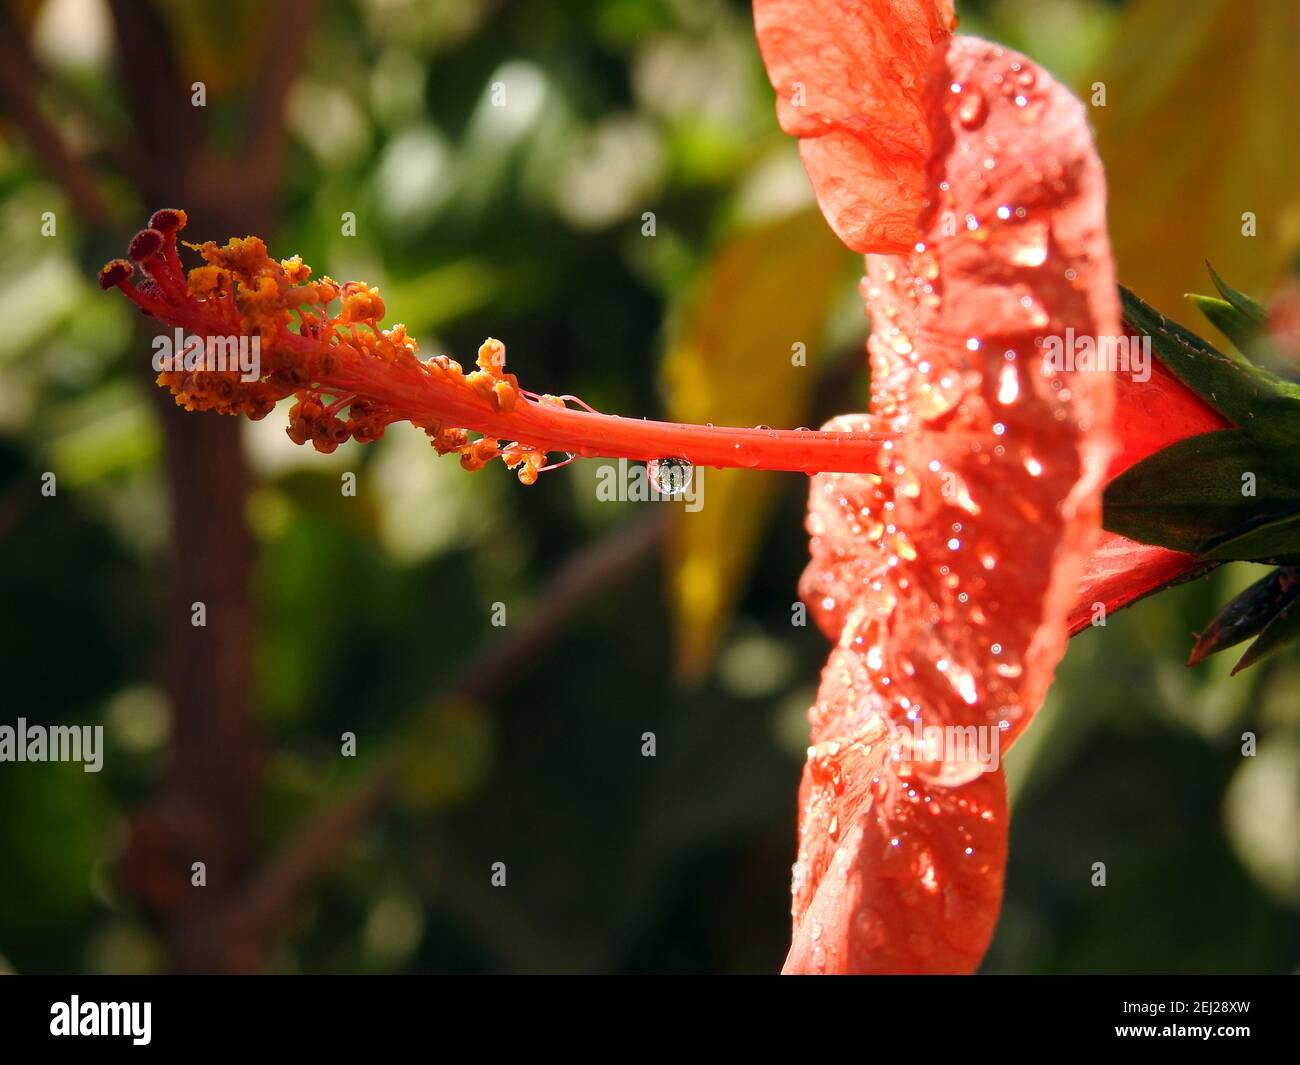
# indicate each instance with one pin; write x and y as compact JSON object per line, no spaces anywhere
{"x":585,"y":573}
{"x":19,"y":77}
{"x":595,"y":568}
{"x":205,"y":810}
{"x":159,"y":103}
{"x":286,"y":41}
{"x":269,"y":896}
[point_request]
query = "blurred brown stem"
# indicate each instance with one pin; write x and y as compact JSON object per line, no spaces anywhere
{"x":206,"y":808}
{"x":20,"y":77}
{"x":595,"y":568}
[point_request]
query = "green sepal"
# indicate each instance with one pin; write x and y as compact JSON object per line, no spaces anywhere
{"x":1248,"y":613}
{"x":1236,"y":315}
{"x":1189,"y":496}
{"x":1247,"y":308}
{"x":1227,"y":320}
{"x":1282,"y":630}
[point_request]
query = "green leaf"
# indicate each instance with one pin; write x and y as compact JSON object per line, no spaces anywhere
{"x":1248,"y":613}
{"x":1201,"y":492}
{"x":1264,"y":405}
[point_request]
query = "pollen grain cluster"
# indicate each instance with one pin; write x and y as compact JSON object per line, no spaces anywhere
{"x":321,"y":342}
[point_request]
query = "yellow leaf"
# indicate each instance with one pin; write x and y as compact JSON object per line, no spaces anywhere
{"x":745,"y":354}
{"x":1199,"y":129}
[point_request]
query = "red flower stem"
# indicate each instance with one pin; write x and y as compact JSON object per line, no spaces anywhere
{"x":424,"y":397}
{"x":588,"y":435}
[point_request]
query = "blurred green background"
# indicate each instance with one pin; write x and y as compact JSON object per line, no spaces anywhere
{"x":479,"y":743}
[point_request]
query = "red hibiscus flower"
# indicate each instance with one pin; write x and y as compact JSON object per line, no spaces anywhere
{"x":953,"y":524}
{"x":951,"y":576}
{"x":946,"y":575}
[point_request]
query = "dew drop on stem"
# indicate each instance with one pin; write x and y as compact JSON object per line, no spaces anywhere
{"x":671,"y":477}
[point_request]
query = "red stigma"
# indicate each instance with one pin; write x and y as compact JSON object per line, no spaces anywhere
{"x":168,"y":220}
{"x":114,"y":273}
{"x":145,"y":245}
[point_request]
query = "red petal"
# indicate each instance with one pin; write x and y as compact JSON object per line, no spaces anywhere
{"x":947,"y":577}
{"x":850,"y":79}
{"x":955,"y":567}
{"x":1119,"y":572}
{"x":894,"y":874}
{"x":1151,"y":415}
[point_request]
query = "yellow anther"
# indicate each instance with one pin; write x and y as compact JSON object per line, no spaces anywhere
{"x":492,"y":356}
{"x":504,"y":396}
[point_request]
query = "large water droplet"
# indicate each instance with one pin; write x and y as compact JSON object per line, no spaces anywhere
{"x":671,"y":477}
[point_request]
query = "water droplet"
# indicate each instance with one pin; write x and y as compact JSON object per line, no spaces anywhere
{"x":1030,"y":253}
{"x":1008,"y":384}
{"x":973,"y":110}
{"x":671,"y":477}
{"x":901,"y":344}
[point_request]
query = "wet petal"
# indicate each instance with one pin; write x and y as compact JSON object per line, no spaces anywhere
{"x":946,"y":576}
{"x":1119,"y":572}
{"x":894,"y":874}
{"x":850,"y":83}
{"x":953,"y":568}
